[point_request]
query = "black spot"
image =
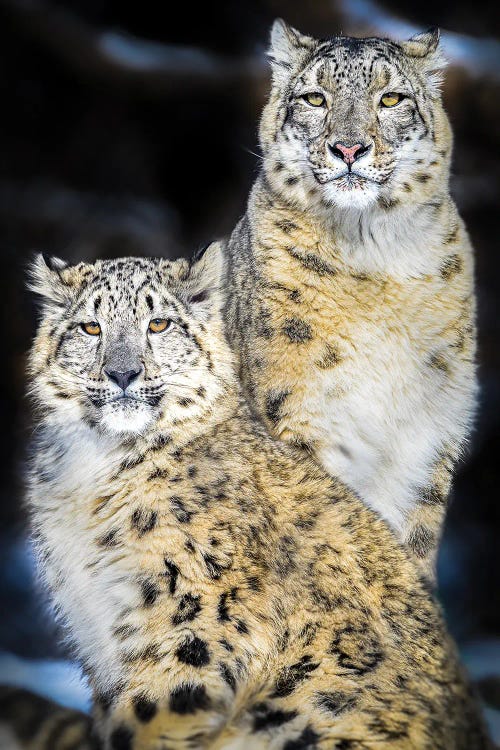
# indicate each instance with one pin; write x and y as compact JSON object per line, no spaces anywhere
{"x":109,"y":540}
{"x":214,"y":568}
{"x":390,"y":728}
{"x":144,"y":708}
{"x":274,"y":402}
{"x":121,"y":738}
{"x":307,"y":741}
{"x":335,"y":702}
{"x":439,"y":362}
{"x":254,"y":583}
{"x":421,"y":540}
{"x":267,"y":717}
{"x":422,"y":177}
{"x":188,"y":698}
{"x":185,"y":401}
{"x":150,"y":592}
{"x":433,"y":496}
{"x":122,"y":632}
{"x":158,"y":474}
{"x":222,"y":608}
{"x":129,"y":463}
{"x":452,"y":236}
{"x":357,"y":650}
{"x":292,"y":180}
{"x":388,"y":202}
{"x":62,"y":394}
{"x":149,"y":301}
{"x":189,"y":607}
{"x":225,"y":644}
{"x":172,"y":574}
{"x":179,"y":509}
{"x":200,"y":297}
{"x":144,"y":520}
{"x":241,"y":627}
{"x":330,"y":357}
{"x":193,"y":651}
{"x":291,"y":676}
{"x":312,"y":262}
{"x":192,"y":472}
{"x":160,"y":442}
{"x":451,"y":266}
{"x":286,"y":226}
{"x":227,"y":675}
{"x":297,"y":330}
{"x":284,"y":557}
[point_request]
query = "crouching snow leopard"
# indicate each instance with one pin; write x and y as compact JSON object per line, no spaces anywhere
{"x":352,"y":300}
{"x":221,"y":590}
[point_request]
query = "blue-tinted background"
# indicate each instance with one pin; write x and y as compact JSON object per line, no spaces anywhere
{"x":131,"y":129}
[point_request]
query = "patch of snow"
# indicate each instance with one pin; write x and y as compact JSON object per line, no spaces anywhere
{"x":61,"y":681}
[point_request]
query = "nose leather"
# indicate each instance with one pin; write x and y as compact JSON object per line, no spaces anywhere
{"x":122,"y":379}
{"x":349,"y":154}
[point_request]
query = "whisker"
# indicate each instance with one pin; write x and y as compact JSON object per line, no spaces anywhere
{"x":249,"y":151}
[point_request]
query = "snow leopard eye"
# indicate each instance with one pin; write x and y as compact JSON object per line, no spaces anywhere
{"x":315,"y":99}
{"x":159,"y":325}
{"x":92,"y":328}
{"x":391,"y":99}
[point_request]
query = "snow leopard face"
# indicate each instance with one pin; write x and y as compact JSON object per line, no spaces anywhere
{"x":354,"y":122}
{"x":124,"y":344}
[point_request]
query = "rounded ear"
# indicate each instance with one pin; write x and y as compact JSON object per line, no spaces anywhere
{"x":423,"y":44}
{"x":205,"y":281}
{"x":45,"y":279}
{"x":426,"y":52}
{"x":287,"y":50}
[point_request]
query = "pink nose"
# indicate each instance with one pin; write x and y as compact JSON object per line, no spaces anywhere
{"x":349,"y":154}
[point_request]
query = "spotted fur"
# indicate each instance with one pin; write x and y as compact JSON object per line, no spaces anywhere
{"x":352,"y":303}
{"x":221,"y":590}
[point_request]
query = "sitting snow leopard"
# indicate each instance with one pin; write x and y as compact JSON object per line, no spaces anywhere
{"x":220,"y":589}
{"x":352,"y":278}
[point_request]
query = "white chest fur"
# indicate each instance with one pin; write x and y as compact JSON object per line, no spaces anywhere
{"x":89,"y":595}
{"x":384,"y":414}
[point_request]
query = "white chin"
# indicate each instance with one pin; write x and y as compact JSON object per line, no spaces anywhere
{"x":129,"y":419}
{"x":358,"y":195}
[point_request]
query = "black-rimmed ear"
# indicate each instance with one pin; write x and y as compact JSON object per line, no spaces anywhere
{"x":45,"y":279}
{"x":288,"y":50}
{"x":422,"y":44}
{"x":426,"y":51}
{"x":200,"y":252}
{"x":204,"y":284}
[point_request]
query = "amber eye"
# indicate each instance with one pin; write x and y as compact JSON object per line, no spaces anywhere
{"x":158,"y":325}
{"x":92,"y":328}
{"x":314,"y":99}
{"x":391,"y":99}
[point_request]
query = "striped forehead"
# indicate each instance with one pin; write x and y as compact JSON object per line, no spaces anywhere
{"x":346,"y":61}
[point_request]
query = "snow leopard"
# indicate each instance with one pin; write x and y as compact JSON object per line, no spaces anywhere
{"x":220,"y":589}
{"x":352,"y":299}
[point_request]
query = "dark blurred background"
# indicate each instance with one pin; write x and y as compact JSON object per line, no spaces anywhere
{"x":131,"y":129}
